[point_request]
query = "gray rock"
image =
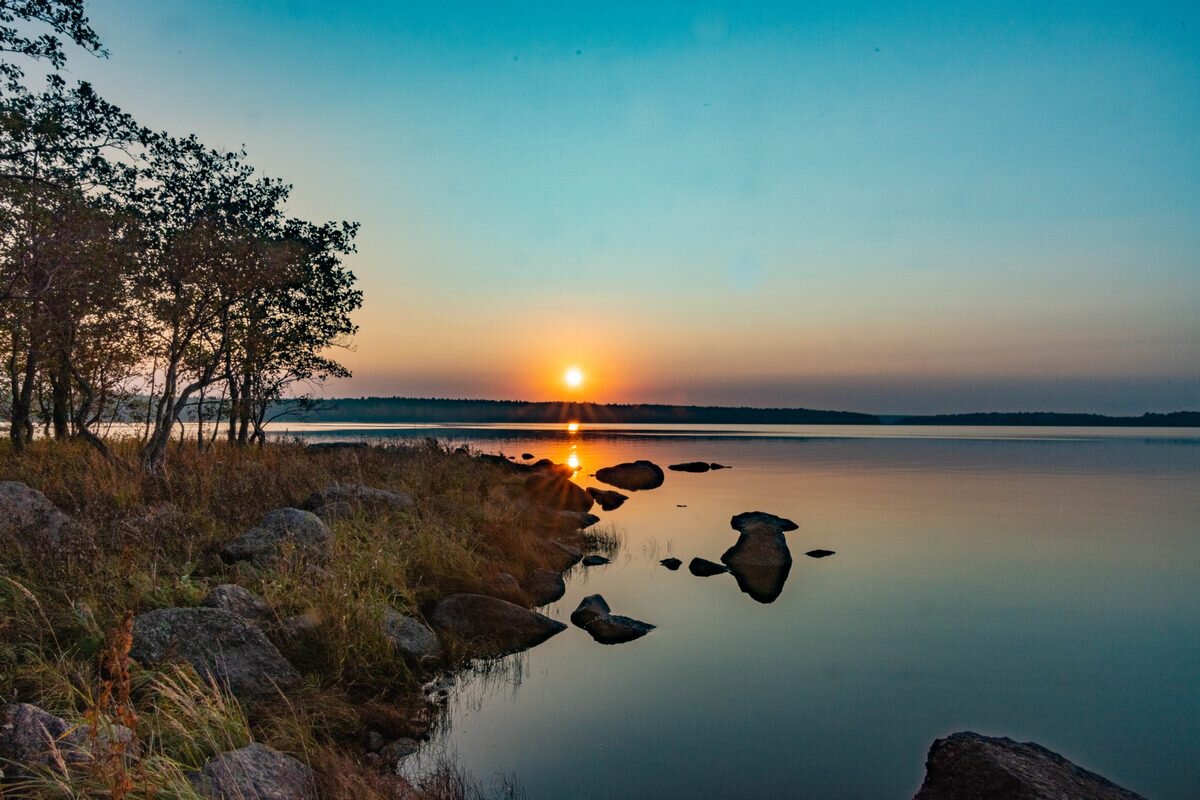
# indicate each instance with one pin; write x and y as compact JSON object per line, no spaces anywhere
{"x":283,"y":528}
{"x":595,"y":617}
{"x":544,"y":586}
{"x":242,"y":602}
{"x":760,"y":561}
{"x":820,"y":553}
{"x":746,"y":519}
{"x":217,"y":642}
{"x":395,"y":752}
{"x":704,"y":568}
{"x":488,"y":626}
{"x":607,"y":499}
{"x":360,"y":497}
{"x":634,"y":476}
{"x":30,"y":736}
{"x":968,"y":766}
{"x":254,"y":772}
{"x":671,"y":563}
{"x":596,"y":560}
{"x":28,"y":520}
{"x":558,"y":492}
{"x":506,"y":587}
{"x":332,"y":512}
{"x":412,"y":638}
{"x":691,"y":466}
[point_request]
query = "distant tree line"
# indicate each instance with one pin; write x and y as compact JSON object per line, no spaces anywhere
{"x":410,"y":409}
{"x":1175,"y":419}
{"x":145,"y":275}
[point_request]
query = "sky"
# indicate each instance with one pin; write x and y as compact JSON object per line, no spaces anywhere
{"x":878,"y":207}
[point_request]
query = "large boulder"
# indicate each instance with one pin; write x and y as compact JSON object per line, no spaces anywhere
{"x":607,"y":499}
{"x":29,"y":521}
{"x":747,"y":519}
{"x":544,"y":586}
{"x":357,"y":497}
{"x":634,"y":476}
{"x":412,"y":638}
{"x":241,"y":602}
{"x":558,"y":492}
{"x":969,"y":766}
{"x":30,"y":736}
{"x":217,"y":642}
{"x":595,"y":617}
{"x":254,"y":772}
{"x":488,"y":626}
{"x":281,"y":530}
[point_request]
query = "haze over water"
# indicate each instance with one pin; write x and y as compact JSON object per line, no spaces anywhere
{"x":1038,"y":584}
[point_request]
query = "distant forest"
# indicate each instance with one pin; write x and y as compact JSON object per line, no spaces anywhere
{"x":409,"y":409}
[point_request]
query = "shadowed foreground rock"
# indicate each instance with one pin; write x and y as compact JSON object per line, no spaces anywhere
{"x":555,"y":491}
{"x":488,"y":626}
{"x":968,"y":766}
{"x":359,"y":497}
{"x":30,"y":736}
{"x":607,"y":499}
{"x":280,"y":530}
{"x":240,"y":602}
{"x":634,"y":476}
{"x":217,"y":642}
{"x":595,"y":617}
{"x":412,"y":638}
{"x":544,"y":586}
{"x":255,"y":772}
{"x":30,"y":521}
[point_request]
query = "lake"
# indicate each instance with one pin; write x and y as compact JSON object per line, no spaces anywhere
{"x":1041,"y":584}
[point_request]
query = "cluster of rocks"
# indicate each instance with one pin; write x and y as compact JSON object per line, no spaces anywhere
{"x":595,"y":617}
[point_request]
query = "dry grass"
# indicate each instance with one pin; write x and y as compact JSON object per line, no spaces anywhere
{"x":156,"y":540}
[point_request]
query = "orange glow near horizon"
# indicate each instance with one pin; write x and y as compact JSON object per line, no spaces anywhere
{"x":572,"y":427}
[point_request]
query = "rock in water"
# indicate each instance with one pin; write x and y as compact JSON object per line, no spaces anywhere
{"x":760,"y":561}
{"x":562,"y":555}
{"x":715,"y":465}
{"x":574,"y":520}
{"x":968,"y":766}
{"x":671,"y":563}
{"x":607,"y":498}
{"x":558,"y":492}
{"x":255,"y":772}
{"x":596,"y":560}
{"x":747,"y":518}
{"x":634,"y":476}
{"x":595,"y":617}
{"x":704,"y":568}
{"x":29,"y":521}
{"x":544,"y":586}
{"x":488,"y":626}
{"x":279,"y":530}
{"x":241,"y":602}
{"x":819,"y":553}
{"x":217,"y":642}
{"x":412,"y":638}
{"x":360,"y":497}
{"x":691,"y":466}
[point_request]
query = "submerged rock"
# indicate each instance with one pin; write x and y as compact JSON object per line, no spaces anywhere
{"x":488,"y":626}
{"x":413,"y":639}
{"x":671,"y":563}
{"x":281,"y":530}
{"x":596,"y":560}
{"x":607,"y":499}
{"x":558,"y":492}
{"x":28,"y":520}
{"x":691,"y":466}
{"x":715,"y":465}
{"x":595,"y":617}
{"x":544,"y":586}
{"x":30,"y":736}
{"x":704,"y":568}
{"x":254,"y":772}
{"x":819,"y":553}
{"x":217,"y":642}
{"x":746,"y":519}
{"x":360,"y":497}
{"x":760,"y":561}
{"x":969,"y":766}
{"x":241,"y":602}
{"x":634,"y":476}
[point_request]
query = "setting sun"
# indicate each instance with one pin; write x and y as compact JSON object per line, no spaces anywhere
{"x":573,"y":377}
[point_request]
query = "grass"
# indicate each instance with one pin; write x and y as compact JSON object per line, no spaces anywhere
{"x":64,"y":622}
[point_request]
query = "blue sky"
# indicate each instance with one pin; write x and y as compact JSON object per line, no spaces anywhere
{"x":879,"y":207}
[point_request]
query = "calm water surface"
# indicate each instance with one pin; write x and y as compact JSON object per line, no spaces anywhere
{"x":1042,"y":584}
